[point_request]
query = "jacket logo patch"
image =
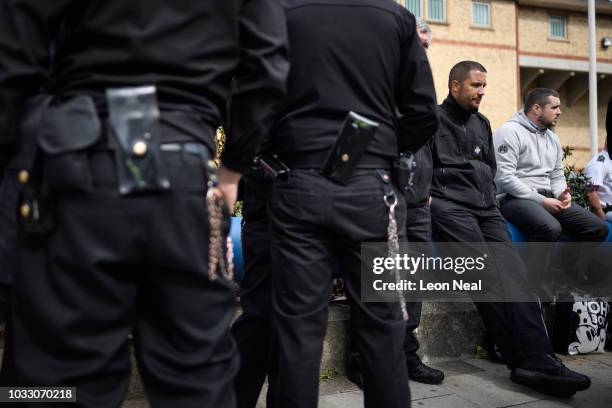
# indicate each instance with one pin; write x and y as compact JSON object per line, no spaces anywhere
{"x":601,"y":158}
{"x":502,"y":149}
{"x":477,"y":150}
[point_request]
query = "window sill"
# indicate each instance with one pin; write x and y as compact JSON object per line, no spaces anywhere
{"x":559,"y":39}
{"x":479,"y":27}
{"x":437,"y":22}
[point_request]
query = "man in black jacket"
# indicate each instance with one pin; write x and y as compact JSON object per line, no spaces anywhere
{"x":363,"y":56}
{"x":127,"y":243}
{"x":464,"y":209}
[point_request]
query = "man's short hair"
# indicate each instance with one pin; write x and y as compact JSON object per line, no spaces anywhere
{"x":462,"y":69}
{"x":539,"y":96}
{"x":423,"y":27}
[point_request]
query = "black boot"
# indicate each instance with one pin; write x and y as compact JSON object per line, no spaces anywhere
{"x":419,"y":372}
{"x":547,"y":374}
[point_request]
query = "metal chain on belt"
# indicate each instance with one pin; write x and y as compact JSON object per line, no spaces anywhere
{"x":217,"y":262}
{"x":393,"y":247}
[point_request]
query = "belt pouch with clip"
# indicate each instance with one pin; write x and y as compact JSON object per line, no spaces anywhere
{"x":134,"y":122}
{"x":272,"y":166}
{"x":403,"y":170}
{"x":354,"y":137}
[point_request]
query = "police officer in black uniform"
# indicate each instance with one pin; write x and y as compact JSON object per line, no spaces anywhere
{"x":364,"y":56}
{"x":114,"y":234}
{"x":418,"y":230}
{"x":464,"y":209}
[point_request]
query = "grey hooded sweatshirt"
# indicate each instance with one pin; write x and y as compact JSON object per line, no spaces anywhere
{"x":528,"y":159}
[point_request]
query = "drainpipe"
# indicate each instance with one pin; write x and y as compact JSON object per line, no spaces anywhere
{"x":592,"y":80}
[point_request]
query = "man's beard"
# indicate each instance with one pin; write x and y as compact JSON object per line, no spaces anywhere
{"x":474,"y":109}
{"x":548,"y":125}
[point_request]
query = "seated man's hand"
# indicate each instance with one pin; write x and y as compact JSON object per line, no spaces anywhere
{"x":566,"y":198}
{"x":553,"y":206}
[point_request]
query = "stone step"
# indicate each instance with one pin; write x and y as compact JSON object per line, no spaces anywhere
{"x":447,"y":330}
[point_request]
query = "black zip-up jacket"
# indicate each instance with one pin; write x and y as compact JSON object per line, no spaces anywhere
{"x":189,"y":49}
{"x":463,"y":157}
{"x":360,"y":55}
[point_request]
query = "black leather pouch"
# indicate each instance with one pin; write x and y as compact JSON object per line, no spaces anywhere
{"x":354,"y":137}
{"x":136,"y":132}
{"x":68,"y":130}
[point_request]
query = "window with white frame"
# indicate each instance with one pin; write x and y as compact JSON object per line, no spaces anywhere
{"x":436,"y":10}
{"x":481,"y":14}
{"x":557,"y":26}
{"x":430,"y":10}
{"x":415,"y":7}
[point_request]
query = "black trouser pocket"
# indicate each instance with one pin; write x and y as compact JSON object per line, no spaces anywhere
{"x":68,"y":172}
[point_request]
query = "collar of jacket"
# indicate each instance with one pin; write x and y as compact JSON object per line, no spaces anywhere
{"x":455,"y":111}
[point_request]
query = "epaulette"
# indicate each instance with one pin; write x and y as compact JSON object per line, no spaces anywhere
{"x":483,"y":117}
{"x":486,"y":121}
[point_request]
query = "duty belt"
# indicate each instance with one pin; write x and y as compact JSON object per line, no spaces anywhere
{"x":313,"y":161}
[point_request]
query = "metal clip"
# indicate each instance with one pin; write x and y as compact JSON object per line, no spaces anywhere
{"x":390,"y":200}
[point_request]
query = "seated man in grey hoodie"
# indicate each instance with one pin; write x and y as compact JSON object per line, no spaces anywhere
{"x":530,"y":181}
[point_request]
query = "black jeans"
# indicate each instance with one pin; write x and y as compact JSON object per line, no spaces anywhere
{"x":116,"y":266}
{"x":517,"y":328}
{"x":314,"y":222}
{"x":542,"y":226}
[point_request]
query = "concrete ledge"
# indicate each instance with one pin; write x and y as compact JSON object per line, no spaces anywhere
{"x":447,"y":330}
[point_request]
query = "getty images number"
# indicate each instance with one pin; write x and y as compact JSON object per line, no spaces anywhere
{"x":36,"y":394}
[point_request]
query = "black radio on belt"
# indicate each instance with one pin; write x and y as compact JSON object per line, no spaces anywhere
{"x":271,"y":165}
{"x":403,"y":169}
{"x":354,"y":137}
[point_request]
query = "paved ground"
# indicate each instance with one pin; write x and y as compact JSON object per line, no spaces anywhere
{"x":475,"y":383}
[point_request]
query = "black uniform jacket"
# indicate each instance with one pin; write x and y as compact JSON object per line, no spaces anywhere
{"x":360,"y":55}
{"x":463,"y":157}
{"x":189,"y":49}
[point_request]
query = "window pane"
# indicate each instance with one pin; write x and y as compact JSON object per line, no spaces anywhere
{"x":480,"y":14}
{"x":414,"y":6}
{"x":557,"y":26}
{"x":435,"y":10}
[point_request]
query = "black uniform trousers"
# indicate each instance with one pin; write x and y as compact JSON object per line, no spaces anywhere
{"x":418,"y":229}
{"x":517,"y":328}
{"x":314,"y":222}
{"x":253,"y":329}
{"x":116,"y":266}
{"x":542,"y":226}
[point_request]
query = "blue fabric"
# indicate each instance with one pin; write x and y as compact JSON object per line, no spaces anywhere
{"x":516,"y":234}
{"x":235,"y":229}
